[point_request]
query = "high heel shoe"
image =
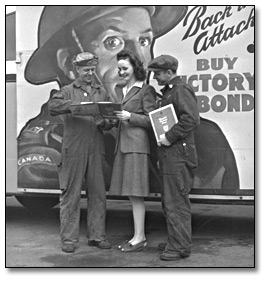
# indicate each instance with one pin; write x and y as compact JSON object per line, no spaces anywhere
{"x":122,"y":245}
{"x":134,"y":248}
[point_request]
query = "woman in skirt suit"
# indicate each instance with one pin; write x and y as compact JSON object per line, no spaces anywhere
{"x":130,"y":176}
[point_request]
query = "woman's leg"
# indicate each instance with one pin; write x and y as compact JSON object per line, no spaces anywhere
{"x":138,"y":209}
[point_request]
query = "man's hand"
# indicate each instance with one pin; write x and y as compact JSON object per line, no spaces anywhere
{"x":164,"y":141}
{"x":99,"y":120}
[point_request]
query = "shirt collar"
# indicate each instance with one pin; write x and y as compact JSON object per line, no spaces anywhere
{"x":79,"y":83}
{"x":136,"y":84}
{"x":174,"y":81}
{"x":171,"y":83}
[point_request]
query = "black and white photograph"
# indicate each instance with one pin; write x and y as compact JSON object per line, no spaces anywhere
{"x":130,"y":137}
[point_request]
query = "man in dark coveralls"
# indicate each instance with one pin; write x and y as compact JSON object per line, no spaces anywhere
{"x":177,"y":157}
{"x":83,"y":156}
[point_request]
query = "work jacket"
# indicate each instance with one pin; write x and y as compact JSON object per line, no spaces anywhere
{"x":81,"y":134}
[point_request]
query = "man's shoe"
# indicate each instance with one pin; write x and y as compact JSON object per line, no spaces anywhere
{"x":68,"y":248}
{"x":166,"y":255}
{"x":162,"y":246}
{"x":103,"y":244}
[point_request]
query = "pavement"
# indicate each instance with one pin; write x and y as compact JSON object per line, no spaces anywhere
{"x":223,"y":236}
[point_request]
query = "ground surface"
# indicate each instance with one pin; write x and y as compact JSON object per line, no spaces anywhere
{"x":223,"y":236}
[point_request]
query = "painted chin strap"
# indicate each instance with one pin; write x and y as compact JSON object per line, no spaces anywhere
{"x":74,"y":35}
{"x":76,"y":39}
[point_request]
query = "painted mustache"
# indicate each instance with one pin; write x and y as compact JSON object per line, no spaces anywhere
{"x":123,"y":75}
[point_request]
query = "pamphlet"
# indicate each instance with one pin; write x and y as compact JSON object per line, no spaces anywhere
{"x":162,"y":120}
{"x":104,"y":108}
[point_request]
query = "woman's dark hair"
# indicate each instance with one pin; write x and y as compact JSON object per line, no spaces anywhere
{"x":139,"y":71}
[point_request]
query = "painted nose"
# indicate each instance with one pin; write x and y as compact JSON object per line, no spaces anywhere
{"x":135,"y":48}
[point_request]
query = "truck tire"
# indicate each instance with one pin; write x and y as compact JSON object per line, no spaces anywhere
{"x":38,"y":203}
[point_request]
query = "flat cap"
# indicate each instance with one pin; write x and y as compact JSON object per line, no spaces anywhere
{"x":85,"y":59}
{"x":163,"y":62}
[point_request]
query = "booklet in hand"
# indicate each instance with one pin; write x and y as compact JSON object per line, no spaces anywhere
{"x":162,"y":120}
{"x":105,"y":109}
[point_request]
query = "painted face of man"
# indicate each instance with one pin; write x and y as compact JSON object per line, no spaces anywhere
{"x":128,"y":28}
{"x":86,"y":73}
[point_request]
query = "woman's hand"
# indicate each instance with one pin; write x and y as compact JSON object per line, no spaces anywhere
{"x":123,"y":115}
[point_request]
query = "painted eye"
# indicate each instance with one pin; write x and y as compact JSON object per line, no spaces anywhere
{"x":145,"y":41}
{"x":112,"y":42}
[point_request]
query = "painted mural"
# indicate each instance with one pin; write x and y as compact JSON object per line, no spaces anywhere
{"x":193,"y":34}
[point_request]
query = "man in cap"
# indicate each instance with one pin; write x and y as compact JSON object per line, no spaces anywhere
{"x":82,"y":157}
{"x":177,"y":157}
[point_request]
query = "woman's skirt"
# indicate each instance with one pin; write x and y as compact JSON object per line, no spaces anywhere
{"x":130,"y":175}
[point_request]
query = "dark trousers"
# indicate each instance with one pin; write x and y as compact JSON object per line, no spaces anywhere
{"x":177,"y":179}
{"x":76,"y":170}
